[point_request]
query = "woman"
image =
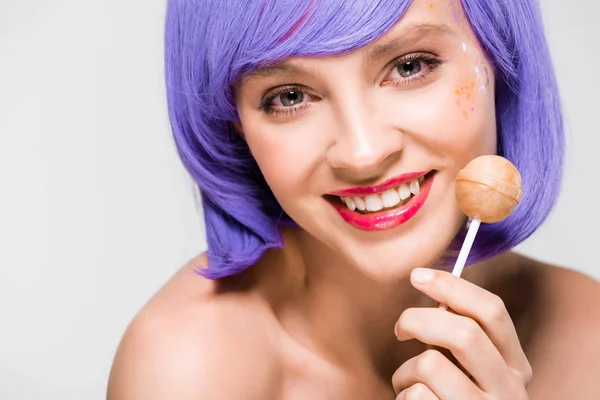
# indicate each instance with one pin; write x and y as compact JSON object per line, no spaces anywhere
{"x":325,"y":137}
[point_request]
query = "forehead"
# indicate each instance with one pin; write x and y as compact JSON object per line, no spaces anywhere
{"x":428,"y":19}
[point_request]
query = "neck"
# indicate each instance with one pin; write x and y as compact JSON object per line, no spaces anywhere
{"x":331,"y":308}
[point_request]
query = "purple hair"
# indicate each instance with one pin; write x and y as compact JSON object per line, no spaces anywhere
{"x":210,"y":44}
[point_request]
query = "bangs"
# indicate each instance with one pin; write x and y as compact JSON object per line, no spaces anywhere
{"x":316,"y":28}
{"x":254,"y":33}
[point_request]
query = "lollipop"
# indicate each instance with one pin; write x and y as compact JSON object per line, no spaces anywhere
{"x":487,"y":190}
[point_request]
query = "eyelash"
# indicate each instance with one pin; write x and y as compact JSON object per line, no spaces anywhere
{"x":431,"y":64}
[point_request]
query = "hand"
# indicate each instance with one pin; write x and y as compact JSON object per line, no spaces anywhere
{"x":480,"y":335}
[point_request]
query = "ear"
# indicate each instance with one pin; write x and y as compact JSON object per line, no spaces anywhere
{"x":237,"y":126}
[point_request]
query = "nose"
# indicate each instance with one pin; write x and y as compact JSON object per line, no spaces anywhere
{"x":364,"y":147}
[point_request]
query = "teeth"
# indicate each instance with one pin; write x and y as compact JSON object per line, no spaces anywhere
{"x":414,"y":187}
{"x":359,"y":203}
{"x":349,"y":203}
{"x":404,"y":191}
{"x":373,"y":202}
{"x":390,"y":198}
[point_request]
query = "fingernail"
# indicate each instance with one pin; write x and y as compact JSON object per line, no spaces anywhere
{"x":422,"y":275}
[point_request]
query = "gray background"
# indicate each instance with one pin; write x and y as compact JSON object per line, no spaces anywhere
{"x":96,"y":212}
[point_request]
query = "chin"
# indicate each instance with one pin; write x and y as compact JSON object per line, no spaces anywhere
{"x":390,"y":255}
{"x":395,"y":258}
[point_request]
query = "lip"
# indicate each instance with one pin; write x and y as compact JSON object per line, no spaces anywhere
{"x":390,"y":183}
{"x":389,"y":218}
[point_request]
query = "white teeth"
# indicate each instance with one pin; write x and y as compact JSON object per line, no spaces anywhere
{"x":373,"y":202}
{"x":414,"y":187}
{"x":359,"y":203}
{"x":390,"y":198}
{"x":349,"y":203}
{"x":404,"y":191}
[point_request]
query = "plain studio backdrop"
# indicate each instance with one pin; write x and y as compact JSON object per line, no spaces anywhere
{"x":96,"y":212}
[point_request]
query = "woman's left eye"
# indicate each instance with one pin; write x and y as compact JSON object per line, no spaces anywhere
{"x":411,"y":67}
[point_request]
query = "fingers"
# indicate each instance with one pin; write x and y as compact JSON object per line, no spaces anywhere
{"x":437,"y":374}
{"x":418,"y":391}
{"x":486,"y":308}
{"x":464,"y":338}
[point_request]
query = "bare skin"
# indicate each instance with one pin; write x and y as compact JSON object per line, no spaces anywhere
{"x":238,"y":338}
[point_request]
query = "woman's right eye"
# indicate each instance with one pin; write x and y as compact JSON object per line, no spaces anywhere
{"x":286,"y":100}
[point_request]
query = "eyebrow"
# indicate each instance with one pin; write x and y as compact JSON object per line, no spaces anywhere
{"x":282,"y":68}
{"x":413,"y":34}
{"x":406,"y":37}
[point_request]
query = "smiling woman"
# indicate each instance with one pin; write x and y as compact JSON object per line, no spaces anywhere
{"x":432,"y":57}
{"x":325,"y":138}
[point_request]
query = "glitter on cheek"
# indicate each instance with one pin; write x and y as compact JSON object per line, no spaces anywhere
{"x":487,"y":75}
{"x":464,"y":47}
{"x":483,"y":76}
{"x":466,"y":94}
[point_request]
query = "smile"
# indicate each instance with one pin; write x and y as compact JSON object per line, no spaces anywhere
{"x":384,"y":206}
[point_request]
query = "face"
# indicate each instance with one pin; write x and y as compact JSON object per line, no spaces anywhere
{"x":362,"y":149}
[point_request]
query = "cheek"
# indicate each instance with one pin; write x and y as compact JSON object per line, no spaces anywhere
{"x":286,"y":153}
{"x":473,"y":118}
{"x":451,"y":117}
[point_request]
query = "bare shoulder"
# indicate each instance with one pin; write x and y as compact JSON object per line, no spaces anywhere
{"x":567,"y":347}
{"x":194,"y":340}
{"x":557,"y":314}
{"x":568,"y":301}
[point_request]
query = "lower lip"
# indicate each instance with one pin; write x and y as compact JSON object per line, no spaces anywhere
{"x":386,"y":219}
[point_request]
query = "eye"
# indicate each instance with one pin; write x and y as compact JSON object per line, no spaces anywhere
{"x":409,"y":68}
{"x":288,"y":98}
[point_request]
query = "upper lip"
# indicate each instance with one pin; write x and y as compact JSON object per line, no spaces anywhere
{"x":382,"y":187}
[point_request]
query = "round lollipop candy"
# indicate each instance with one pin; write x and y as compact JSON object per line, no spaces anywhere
{"x":487,"y":190}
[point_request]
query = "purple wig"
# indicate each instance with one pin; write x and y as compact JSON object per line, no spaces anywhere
{"x":210,"y":44}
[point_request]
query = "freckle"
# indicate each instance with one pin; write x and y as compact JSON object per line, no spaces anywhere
{"x":431,"y":5}
{"x":458,"y":102}
{"x":457,"y":92}
{"x":472,"y":84}
{"x":465,"y":114}
{"x":469,"y":96}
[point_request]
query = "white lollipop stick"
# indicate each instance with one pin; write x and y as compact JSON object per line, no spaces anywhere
{"x":464,"y":251}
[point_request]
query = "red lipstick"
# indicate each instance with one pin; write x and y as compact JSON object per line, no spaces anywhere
{"x":390,"y":183}
{"x":388,"y":218}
